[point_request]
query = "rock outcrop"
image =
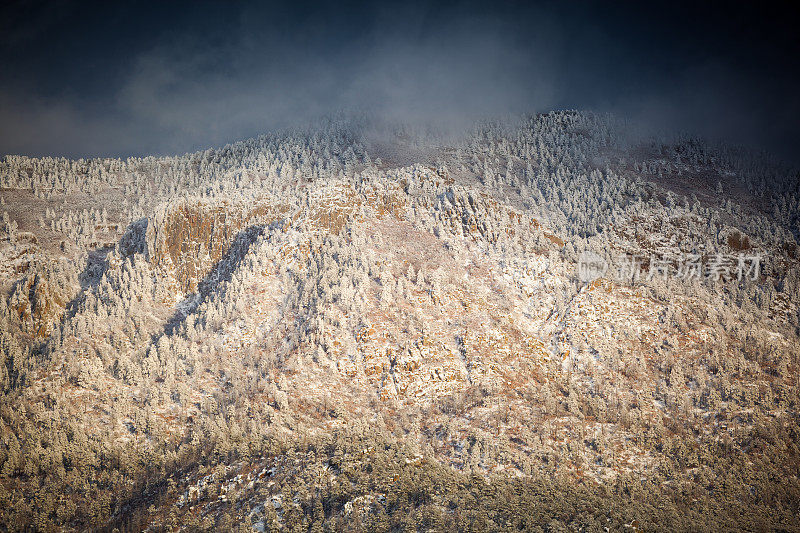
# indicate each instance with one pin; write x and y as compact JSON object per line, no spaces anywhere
{"x":190,"y":236}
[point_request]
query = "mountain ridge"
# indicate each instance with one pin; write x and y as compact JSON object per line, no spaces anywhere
{"x":288,"y":302}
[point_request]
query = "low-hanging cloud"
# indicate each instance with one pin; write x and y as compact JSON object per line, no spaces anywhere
{"x":259,"y":71}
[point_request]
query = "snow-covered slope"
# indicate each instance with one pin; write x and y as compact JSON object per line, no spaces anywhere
{"x":178,"y":333}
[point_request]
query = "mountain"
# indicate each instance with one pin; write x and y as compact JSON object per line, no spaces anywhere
{"x":545,"y":323}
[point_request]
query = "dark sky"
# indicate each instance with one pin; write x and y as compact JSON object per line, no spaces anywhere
{"x":132,"y":78}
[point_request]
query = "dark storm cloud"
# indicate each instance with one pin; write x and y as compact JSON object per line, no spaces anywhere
{"x":82,"y":79}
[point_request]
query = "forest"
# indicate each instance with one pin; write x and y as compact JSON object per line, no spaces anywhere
{"x":370,"y":326}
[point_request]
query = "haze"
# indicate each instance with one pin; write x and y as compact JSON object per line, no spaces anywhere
{"x":91,"y":79}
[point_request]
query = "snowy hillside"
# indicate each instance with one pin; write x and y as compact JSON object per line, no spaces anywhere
{"x":361,"y":327}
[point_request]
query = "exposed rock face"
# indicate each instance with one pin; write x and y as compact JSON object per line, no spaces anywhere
{"x":189,"y":237}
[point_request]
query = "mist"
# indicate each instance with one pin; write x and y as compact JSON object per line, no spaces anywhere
{"x":93,"y":80}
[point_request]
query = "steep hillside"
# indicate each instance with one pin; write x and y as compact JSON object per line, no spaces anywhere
{"x":341,"y":329}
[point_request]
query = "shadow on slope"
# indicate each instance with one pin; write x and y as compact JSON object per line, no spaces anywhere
{"x":132,"y":242}
{"x":221,"y":273}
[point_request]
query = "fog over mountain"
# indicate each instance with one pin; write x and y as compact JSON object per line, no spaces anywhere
{"x":84,"y":78}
